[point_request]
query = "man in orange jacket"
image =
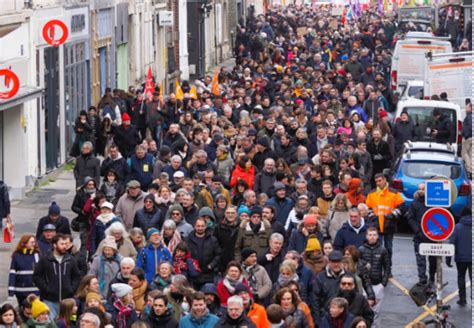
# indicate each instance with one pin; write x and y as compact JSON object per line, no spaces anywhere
{"x":255,"y":312}
{"x":385,"y":204}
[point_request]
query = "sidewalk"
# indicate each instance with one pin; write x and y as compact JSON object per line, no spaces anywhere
{"x":27,"y":212}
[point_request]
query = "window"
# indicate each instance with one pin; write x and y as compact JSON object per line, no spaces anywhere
{"x":422,"y":118}
{"x":425,"y":170}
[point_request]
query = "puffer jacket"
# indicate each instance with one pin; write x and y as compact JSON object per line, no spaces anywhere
{"x":374,"y":258}
{"x":150,"y":257}
{"x":20,"y":279}
{"x":226,"y":235}
{"x":326,"y":286}
{"x":208,"y":254}
{"x":240,"y":173}
{"x":206,"y":321}
{"x":105,"y":270}
{"x":282,"y":207}
{"x":246,"y":238}
{"x":350,"y":236}
{"x":228,"y":322}
{"x":146,"y":219}
{"x":87,"y":166}
{"x":164,"y":321}
{"x":414,"y":214}
{"x":462,"y":240}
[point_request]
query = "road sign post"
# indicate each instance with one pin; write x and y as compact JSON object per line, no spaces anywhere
{"x":438,"y":193}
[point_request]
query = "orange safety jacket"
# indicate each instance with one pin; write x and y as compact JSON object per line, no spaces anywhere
{"x":383,"y":202}
{"x":258,"y":315}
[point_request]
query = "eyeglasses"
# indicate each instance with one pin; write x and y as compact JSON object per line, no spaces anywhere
{"x":175,"y":213}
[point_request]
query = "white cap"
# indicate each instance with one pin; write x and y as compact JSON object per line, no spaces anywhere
{"x":178,"y":174}
{"x":108,"y":205}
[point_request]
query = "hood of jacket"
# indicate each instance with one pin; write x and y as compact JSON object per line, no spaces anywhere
{"x":466,"y":220}
{"x":353,"y":185}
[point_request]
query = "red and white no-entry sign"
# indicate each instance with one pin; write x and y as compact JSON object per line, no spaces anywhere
{"x":437,"y":224}
{"x":49,"y":32}
{"x":12,"y":83}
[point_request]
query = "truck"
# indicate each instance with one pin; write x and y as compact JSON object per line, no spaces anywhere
{"x":408,"y":60}
{"x":450,"y":73}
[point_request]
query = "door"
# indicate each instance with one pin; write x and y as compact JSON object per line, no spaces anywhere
{"x":103,"y":69}
{"x":51,"y":106}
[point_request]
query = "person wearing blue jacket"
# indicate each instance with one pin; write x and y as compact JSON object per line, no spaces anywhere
{"x":153,"y":254}
{"x":352,"y":232}
{"x":462,"y":241}
{"x":141,"y":166}
{"x":24,"y":259}
{"x":282,"y":204}
{"x":199,"y":316}
{"x":103,"y":221}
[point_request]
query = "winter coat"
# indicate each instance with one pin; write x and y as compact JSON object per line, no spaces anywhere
{"x":205,"y":197}
{"x":467,"y":126}
{"x":326,"y":321}
{"x":352,"y":194}
{"x":98,"y":230}
{"x":298,"y":319}
{"x":240,"y":173}
{"x":325,"y":287}
{"x":315,"y":262}
{"x":272,"y":267}
{"x":288,"y":153}
{"x":382,"y":204}
{"x":164,"y":321}
{"x":258,"y":315}
{"x":298,"y":240}
{"x":146,"y":220}
{"x":206,"y":321}
{"x":20,"y":279}
{"x":414,"y":214}
{"x":32,"y":323}
{"x":80,"y":200}
{"x":114,"y":312}
{"x":56,"y":281}
{"x":87,"y":166}
{"x":45,"y":246}
{"x":324,"y":204}
{"x":365,"y":161}
{"x":350,"y":111}
{"x":246,"y":238}
{"x":350,"y":236}
{"x":444,"y":126}
{"x":264,"y":182}
{"x":462,"y":240}
{"x":150,"y":258}
{"x":141,"y":169}
{"x":377,"y":257}
{"x":282,"y":207}
{"x":4,"y":200}
{"x":263,"y":286}
{"x":61,"y":224}
{"x":127,"y":207}
{"x":225,"y":293}
{"x":126,"y":139}
{"x":224,"y":168}
{"x":105,"y":270}
{"x":382,"y":148}
{"x":359,"y":306}
{"x":119,"y":165}
{"x":226,"y":236}
{"x":207,"y":252}
{"x":402,"y":132}
{"x":112,"y":191}
{"x":241,"y":322}
{"x":335,"y":221}
{"x":191,"y":214}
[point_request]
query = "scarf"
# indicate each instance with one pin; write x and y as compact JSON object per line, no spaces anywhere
{"x":252,"y":280}
{"x":283,"y":282}
{"x":102,"y":283}
{"x":124,"y":312}
{"x":222,"y":157}
{"x":230,"y":283}
{"x":339,"y":321}
{"x":255,"y":227}
{"x":138,"y":295}
{"x":180,"y":264}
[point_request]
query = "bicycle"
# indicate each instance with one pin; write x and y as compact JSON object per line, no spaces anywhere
{"x":441,"y":318}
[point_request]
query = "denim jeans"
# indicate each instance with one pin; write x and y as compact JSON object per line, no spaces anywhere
{"x":53,"y":309}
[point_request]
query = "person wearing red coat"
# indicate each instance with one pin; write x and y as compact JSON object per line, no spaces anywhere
{"x":233,"y":277}
{"x":243,"y":171}
{"x":92,"y":210}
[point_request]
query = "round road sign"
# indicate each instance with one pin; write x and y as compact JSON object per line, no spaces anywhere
{"x":10,"y":78}
{"x":437,"y":224}
{"x":49,"y":32}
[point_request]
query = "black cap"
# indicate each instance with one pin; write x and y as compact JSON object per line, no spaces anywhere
{"x":256,"y":210}
{"x":263,"y":142}
{"x":246,"y":252}
{"x":335,"y":256}
{"x":216,"y":178}
{"x":241,"y":288}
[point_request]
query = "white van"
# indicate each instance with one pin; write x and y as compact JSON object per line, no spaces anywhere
{"x":413,"y":89}
{"x":408,"y":60}
{"x":450,"y":73}
{"x":421,"y":114}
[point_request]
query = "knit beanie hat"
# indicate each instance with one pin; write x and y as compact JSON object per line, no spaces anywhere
{"x":152,"y":231}
{"x":109,"y":241}
{"x":243,"y":209}
{"x":54,"y":209}
{"x":93,"y":296}
{"x":313,"y":244}
{"x":120,"y":290}
{"x":310,"y":219}
{"x":37,"y":308}
{"x":246,"y":252}
{"x":125,"y":117}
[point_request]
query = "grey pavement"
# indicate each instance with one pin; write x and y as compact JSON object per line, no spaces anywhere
{"x":398,"y":309}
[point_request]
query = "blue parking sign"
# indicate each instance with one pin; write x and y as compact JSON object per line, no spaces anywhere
{"x":438,"y":193}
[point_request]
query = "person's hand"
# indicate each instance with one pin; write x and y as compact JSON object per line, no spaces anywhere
{"x":269,"y":257}
{"x":371,"y":303}
{"x":378,"y":157}
{"x":93,"y":195}
{"x":83,"y":120}
{"x":434,"y":132}
{"x":305,"y":232}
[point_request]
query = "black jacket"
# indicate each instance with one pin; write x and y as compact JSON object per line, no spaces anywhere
{"x":358,"y":305}
{"x":61,"y":224}
{"x":414,"y":214}
{"x":119,"y":165}
{"x":78,"y":203}
{"x":444,"y":126}
{"x":402,"y":132}
{"x":228,"y":322}
{"x":56,"y":281}
{"x":264,"y":182}
{"x":383,"y":149}
{"x":259,"y":158}
{"x":325,"y":287}
{"x":272,"y":267}
{"x":226,"y":236}
{"x":377,"y":258}
{"x":164,"y":321}
{"x":146,"y":220}
{"x":87,"y":166}
{"x":4,"y":200}
{"x":126,"y":139}
{"x":208,"y":254}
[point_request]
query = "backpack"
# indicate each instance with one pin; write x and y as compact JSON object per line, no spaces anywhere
{"x":420,"y":293}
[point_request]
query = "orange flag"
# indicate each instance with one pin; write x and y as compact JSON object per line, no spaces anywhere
{"x":162,"y":101}
{"x":215,"y":84}
{"x":178,"y":91}
{"x":150,"y":85}
{"x":193,"y":92}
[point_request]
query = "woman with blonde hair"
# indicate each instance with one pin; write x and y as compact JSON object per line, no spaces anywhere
{"x":337,"y":215}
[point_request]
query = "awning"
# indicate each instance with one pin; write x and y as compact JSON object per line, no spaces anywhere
{"x":26,"y":93}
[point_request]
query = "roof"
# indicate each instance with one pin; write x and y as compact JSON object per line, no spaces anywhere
{"x":413,"y":102}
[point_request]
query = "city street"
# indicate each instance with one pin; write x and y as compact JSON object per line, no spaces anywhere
{"x":398,"y":309}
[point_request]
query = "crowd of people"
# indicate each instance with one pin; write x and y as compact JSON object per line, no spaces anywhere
{"x":264,"y":204}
